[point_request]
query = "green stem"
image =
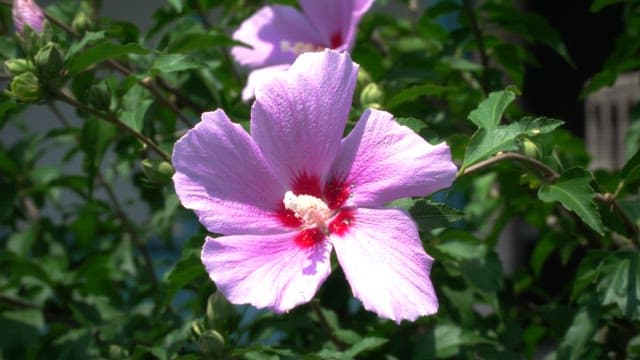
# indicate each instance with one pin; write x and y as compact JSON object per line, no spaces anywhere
{"x":69,"y":99}
{"x":469,"y":12}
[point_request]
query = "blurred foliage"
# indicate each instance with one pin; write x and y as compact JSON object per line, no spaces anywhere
{"x":92,"y":271}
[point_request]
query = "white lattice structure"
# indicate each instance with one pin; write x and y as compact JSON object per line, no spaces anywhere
{"x":608,"y":116}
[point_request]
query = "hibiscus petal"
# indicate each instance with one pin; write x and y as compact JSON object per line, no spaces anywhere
{"x":298,"y":119}
{"x":258,"y":77}
{"x":384,"y":161}
{"x":268,"y":32}
{"x":222,"y":176}
{"x":266,"y":271}
{"x":336,"y":20}
{"x":384,"y":261}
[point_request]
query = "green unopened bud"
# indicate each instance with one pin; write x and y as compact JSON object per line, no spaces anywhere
{"x":117,"y":352}
{"x":100,"y":96}
{"x":530,"y":149}
{"x":371,"y":96}
{"x":157,"y":171}
{"x":83,"y":20}
{"x":211,"y":344}
{"x":25,"y":88}
{"x":16,"y":67}
{"x":49,"y":62}
{"x":363,"y":77}
{"x":219,"y":311}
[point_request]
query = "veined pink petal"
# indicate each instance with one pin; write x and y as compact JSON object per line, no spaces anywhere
{"x":385,"y":161}
{"x":336,"y":20}
{"x":222,"y":176}
{"x":266,"y":271}
{"x":258,"y":77}
{"x":272,"y":32}
{"x":27,"y":12}
{"x":298,"y":119}
{"x":384,"y":261}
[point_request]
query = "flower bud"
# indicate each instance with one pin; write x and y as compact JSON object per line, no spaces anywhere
{"x":530,"y":149}
{"x":219,"y":311}
{"x":49,"y":62}
{"x":157,"y":171}
{"x":371,"y":96}
{"x":25,"y":88}
{"x":27,"y":13}
{"x":211,"y":344}
{"x":15,"y":67}
{"x":363,"y":77}
{"x":100,"y":97}
{"x":83,"y":21}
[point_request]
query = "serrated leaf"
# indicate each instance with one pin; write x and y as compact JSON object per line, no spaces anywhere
{"x":487,"y":142}
{"x":101,"y":52}
{"x":620,"y":283}
{"x":573,"y":191}
{"x":489,"y":112}
{"x":579,"y":335}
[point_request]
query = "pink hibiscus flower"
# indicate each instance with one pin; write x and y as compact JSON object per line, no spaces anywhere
{"x":278,"y":34}
{"x":293,"y":190}
{"x":27,"y":12}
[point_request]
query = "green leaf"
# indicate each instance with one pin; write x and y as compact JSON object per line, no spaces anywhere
{"x":414,"y":92}
{"x":167,"y":63}
{"x":598,"y":5}
{"x":186,"y":270}
{"x":365,"y":345}
{"x":620,"y":282}
{"x":631,"y":170}
{"x":530,"y":26}
{"x":89,"y":38}
{"x":573,"y":191}
{"x":135,"y":104}
{"x":431,"y":216}
{"x":487,"y":142}
{"x":489,"y":112}
{"x":101,"y":52}
{"x":412,"y":123}
{"x":195,"y":41}
{"x":579,"y":335}
{"x":444,"y":341}
{"x":94,"y":140}
{"x":483,"y":273}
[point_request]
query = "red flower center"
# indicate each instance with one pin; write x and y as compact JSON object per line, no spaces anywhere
{"x":334,"y":194}
{"x":335,"y":40}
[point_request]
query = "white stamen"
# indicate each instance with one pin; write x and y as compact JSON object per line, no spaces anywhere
{"x":309,"y":209}
{"x":298,"y":47}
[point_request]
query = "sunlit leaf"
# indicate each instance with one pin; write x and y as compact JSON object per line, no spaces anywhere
{"x":574,"y":192}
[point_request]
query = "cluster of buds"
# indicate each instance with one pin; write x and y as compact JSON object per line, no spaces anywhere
{"x":43,"y":67}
